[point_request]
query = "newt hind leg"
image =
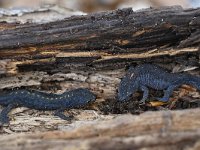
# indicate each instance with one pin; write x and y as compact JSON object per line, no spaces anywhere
{"x":167,"y":93}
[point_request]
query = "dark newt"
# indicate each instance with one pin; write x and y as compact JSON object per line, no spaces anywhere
{"x":147,"y":76}
{"x":44,"y":101}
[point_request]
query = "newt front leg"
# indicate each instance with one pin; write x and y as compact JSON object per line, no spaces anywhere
{"x":4,"y":119}
{"x":60,"y":114}
{"x":145,"y":94}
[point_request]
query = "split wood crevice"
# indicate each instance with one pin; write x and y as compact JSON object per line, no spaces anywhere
{"x":93,"y":51}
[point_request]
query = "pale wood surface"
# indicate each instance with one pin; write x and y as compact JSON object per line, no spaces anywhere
{"x":151,"y":130}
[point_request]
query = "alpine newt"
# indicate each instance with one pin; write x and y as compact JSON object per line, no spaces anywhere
{"x":44,"y":101}
{"x":147,"y":76}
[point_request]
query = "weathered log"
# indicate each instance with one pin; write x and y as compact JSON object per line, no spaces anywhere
{"x":134,"y":29}
{"x":92,"y":51}
{"x":107,"y":40}
{"x":152,"y":130}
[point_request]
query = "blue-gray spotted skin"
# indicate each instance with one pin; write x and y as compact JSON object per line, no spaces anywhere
{"x":44,"y":101}
{"x":147,"y":76}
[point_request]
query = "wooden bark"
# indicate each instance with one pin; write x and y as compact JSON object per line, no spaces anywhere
{"x":92,"y":51}
{"x":152,"y":130}
{"x":84,"y":32}
{"x":107,"y":40}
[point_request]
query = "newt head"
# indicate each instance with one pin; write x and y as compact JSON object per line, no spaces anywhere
{"x":89,"y":96}
{"x":127,"y":86}
{"x":82,"y":96}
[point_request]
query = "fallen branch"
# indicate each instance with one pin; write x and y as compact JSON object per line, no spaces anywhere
{"x":163,"y":130}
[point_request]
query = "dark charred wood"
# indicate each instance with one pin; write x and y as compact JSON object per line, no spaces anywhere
{"x":103,"y":41}
{"x":172,"y":23}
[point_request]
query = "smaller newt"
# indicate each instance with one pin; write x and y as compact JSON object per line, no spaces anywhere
{"x":44,"y":101}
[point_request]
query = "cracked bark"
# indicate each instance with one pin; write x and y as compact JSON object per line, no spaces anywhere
{"x":92,"y":51}
{"x":153,"y":130}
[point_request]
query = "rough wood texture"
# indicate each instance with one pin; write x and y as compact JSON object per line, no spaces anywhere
{"x":107,"y":40}
{"x":92,"y":51}
{"x":118,"y":28}
{"x":152,"y":130}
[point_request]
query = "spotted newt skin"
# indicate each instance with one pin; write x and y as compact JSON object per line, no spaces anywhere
{"x":44,"y":101}
{"x":147,"y":76}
